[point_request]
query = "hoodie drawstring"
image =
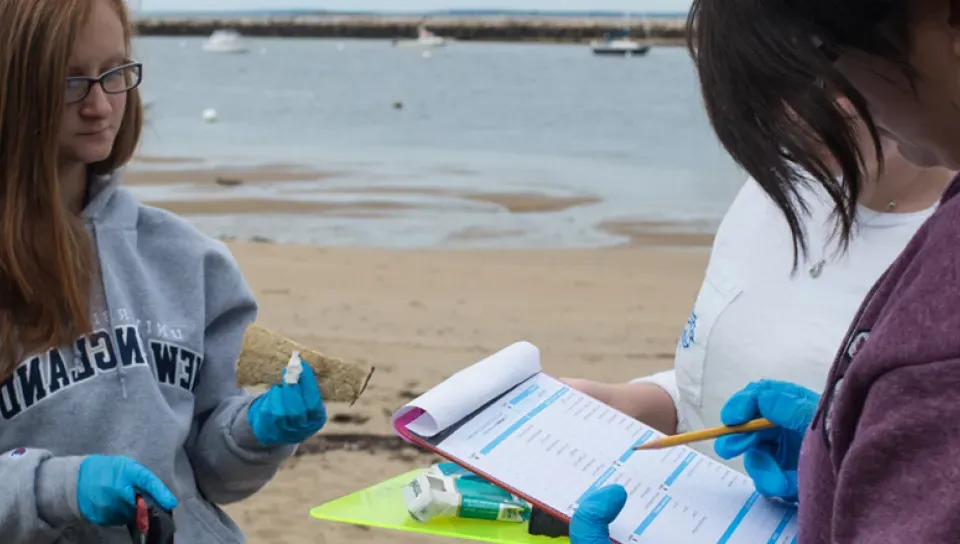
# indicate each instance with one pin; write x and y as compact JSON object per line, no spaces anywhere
{"x":101,"y":190}
{"x":105,"y":299}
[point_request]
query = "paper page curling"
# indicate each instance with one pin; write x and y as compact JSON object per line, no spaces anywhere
{"x":461,"y":394}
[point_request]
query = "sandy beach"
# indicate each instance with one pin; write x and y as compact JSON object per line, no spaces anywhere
{"x":420,"y":315}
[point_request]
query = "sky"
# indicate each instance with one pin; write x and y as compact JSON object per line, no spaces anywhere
{"x":419,"y":5}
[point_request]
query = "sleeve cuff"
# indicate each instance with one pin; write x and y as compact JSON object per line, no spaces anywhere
{"x":242,"y":432}
{"x":57,"y":490}
{"x":666,"y":380}
{"x":242,"y":435}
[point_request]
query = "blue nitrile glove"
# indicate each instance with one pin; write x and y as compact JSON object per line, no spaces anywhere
{"x":770,"y":456}
{"x":288,"y":414}
{"x":107,"y":487}
{"x":591,"y":521}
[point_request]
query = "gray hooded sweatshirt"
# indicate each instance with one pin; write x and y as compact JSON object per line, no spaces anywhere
{"x":155,"y":381}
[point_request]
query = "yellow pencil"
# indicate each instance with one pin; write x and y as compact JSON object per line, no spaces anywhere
{"x":706,"y":434}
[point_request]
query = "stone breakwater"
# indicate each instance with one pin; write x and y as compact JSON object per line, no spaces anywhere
{"x":502,"y":29}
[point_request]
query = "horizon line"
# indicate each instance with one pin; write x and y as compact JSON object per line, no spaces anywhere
{"x":459,"y":12}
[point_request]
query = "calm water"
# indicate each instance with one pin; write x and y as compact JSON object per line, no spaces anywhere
{"x":484,"y":117}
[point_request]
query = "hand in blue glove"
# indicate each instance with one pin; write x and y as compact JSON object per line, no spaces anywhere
{"x":770,"y":456}
{"x":107,"y":487}
{"x":591,"y":521}
{"x":288,"y":414}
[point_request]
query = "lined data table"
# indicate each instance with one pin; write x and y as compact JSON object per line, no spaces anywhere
{"x":555,"y":445}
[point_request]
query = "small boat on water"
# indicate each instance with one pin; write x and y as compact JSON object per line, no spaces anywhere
{"x":225,"y":40}
{"x":619,"y":44}
{"x":425,"y":39}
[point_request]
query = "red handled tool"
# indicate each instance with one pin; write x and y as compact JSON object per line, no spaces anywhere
{"x":153,"y":525}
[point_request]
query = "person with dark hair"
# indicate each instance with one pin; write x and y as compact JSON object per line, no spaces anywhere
{"x":737,"y":330}
{"x":874,"y":459}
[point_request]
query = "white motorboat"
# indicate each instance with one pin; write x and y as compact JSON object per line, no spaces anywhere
{"x":425,"y":39}
{"x":225,"y":40}
{"x":619,"y":44}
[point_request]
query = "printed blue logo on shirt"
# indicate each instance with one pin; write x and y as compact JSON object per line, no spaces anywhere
{"x":688,"y":337}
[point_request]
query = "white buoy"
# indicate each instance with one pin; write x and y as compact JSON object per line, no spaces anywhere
{"x":426,"y":54}
{"x":210,"y":115}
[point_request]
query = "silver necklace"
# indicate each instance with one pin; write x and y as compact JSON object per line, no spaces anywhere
{"x":817,"y":269}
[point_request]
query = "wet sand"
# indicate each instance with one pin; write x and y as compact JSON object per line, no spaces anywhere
{"x":188,"y":172}
{"x":221,"y":193}
{"x":662,"y":233}
{"x":265,"y":205}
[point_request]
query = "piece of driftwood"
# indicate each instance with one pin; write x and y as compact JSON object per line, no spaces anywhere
{"x":265,"y":354}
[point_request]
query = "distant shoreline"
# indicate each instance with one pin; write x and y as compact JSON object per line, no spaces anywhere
{"x":500,"y":28}
{"x":533,"y":13}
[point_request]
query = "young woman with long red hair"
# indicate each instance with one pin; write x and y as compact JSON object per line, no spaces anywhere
{"x":120,"y":324}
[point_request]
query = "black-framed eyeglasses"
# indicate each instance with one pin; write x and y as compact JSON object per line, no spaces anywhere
{"x":116,"y":81}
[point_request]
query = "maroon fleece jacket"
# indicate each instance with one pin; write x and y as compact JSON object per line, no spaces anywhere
{"x":881,"y":462}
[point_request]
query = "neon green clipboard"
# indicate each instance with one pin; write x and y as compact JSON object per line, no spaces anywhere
{"x":382,"y":506}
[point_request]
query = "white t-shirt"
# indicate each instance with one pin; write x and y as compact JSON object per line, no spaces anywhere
{"x":753,"y":319}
